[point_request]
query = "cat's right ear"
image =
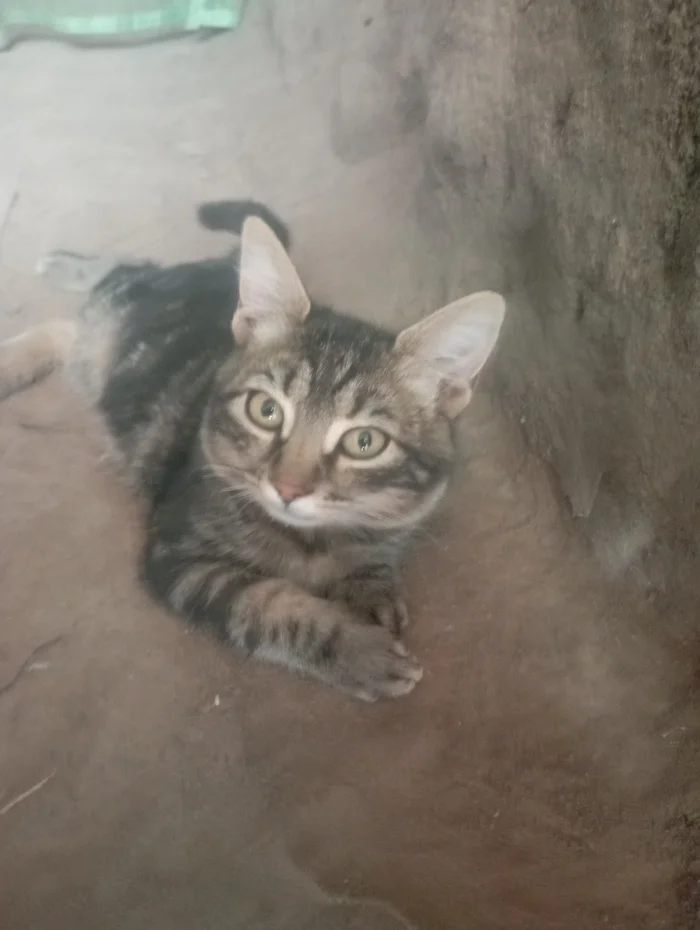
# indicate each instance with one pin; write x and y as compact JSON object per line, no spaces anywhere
{"x":440,"y":357}
{"x":272,"y":299}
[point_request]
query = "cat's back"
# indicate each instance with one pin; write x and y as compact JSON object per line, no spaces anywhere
{"x":151,"y":340}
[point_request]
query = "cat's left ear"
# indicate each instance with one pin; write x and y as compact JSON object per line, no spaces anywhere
{"x":439,"y":357}
{"x":272,"y":299}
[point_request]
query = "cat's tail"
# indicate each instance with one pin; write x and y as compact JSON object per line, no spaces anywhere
{"x":34,"y":354}
{"x":229,"y":216}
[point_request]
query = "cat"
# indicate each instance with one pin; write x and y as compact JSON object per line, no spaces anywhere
{"x":285,"y":453}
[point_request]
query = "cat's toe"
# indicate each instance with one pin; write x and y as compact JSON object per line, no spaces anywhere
{"x":392,"y":613}
{"x":373,"y":665}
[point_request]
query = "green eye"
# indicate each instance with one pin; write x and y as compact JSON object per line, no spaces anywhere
{"x":364,"y":442}
{"x":264,"y":411}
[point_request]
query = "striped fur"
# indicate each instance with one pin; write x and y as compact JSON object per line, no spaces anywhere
{"x":278,"y":539}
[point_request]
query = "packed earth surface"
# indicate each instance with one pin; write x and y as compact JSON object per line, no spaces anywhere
{"x":544,"y":774}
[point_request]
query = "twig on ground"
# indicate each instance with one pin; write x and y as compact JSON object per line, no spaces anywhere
{"x":24,"y":667}
{"x":58,"y":427}
{"x":26,"y":794}
{"x":6,"y":208}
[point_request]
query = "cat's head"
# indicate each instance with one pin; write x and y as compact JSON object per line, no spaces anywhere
{"x":328,"y":422}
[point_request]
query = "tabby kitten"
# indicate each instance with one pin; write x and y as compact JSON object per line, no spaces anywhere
{"x":285,"y":453}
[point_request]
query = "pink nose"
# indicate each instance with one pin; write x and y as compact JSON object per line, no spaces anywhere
{"x":289,"y":492}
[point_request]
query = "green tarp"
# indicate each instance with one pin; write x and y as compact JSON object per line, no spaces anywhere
{"x":113,"y":21}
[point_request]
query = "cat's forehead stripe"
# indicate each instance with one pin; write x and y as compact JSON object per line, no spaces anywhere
{"x":358,"y":402}
{"x":342,"y":378}
{"x":288,"y":379}
{"x":345,"y":403}
{"x":292,"y":378}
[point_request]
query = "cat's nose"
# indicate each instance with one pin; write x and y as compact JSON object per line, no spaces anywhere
{"x":289,"y":491}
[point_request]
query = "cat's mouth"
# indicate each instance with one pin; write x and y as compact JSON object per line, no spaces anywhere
{"x":302,"y":513}
{"x":287,"y":517}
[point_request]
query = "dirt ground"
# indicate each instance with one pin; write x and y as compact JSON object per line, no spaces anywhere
{"x":544,"y":773}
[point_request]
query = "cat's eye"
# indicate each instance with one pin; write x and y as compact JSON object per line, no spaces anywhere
{"x":364,"y":442}
{"x":264,"y":411}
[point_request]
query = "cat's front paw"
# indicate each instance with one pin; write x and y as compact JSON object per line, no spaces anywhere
{"x":375,"y":604}
{"x":370,"y":663}
{"x":389,"y":610}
